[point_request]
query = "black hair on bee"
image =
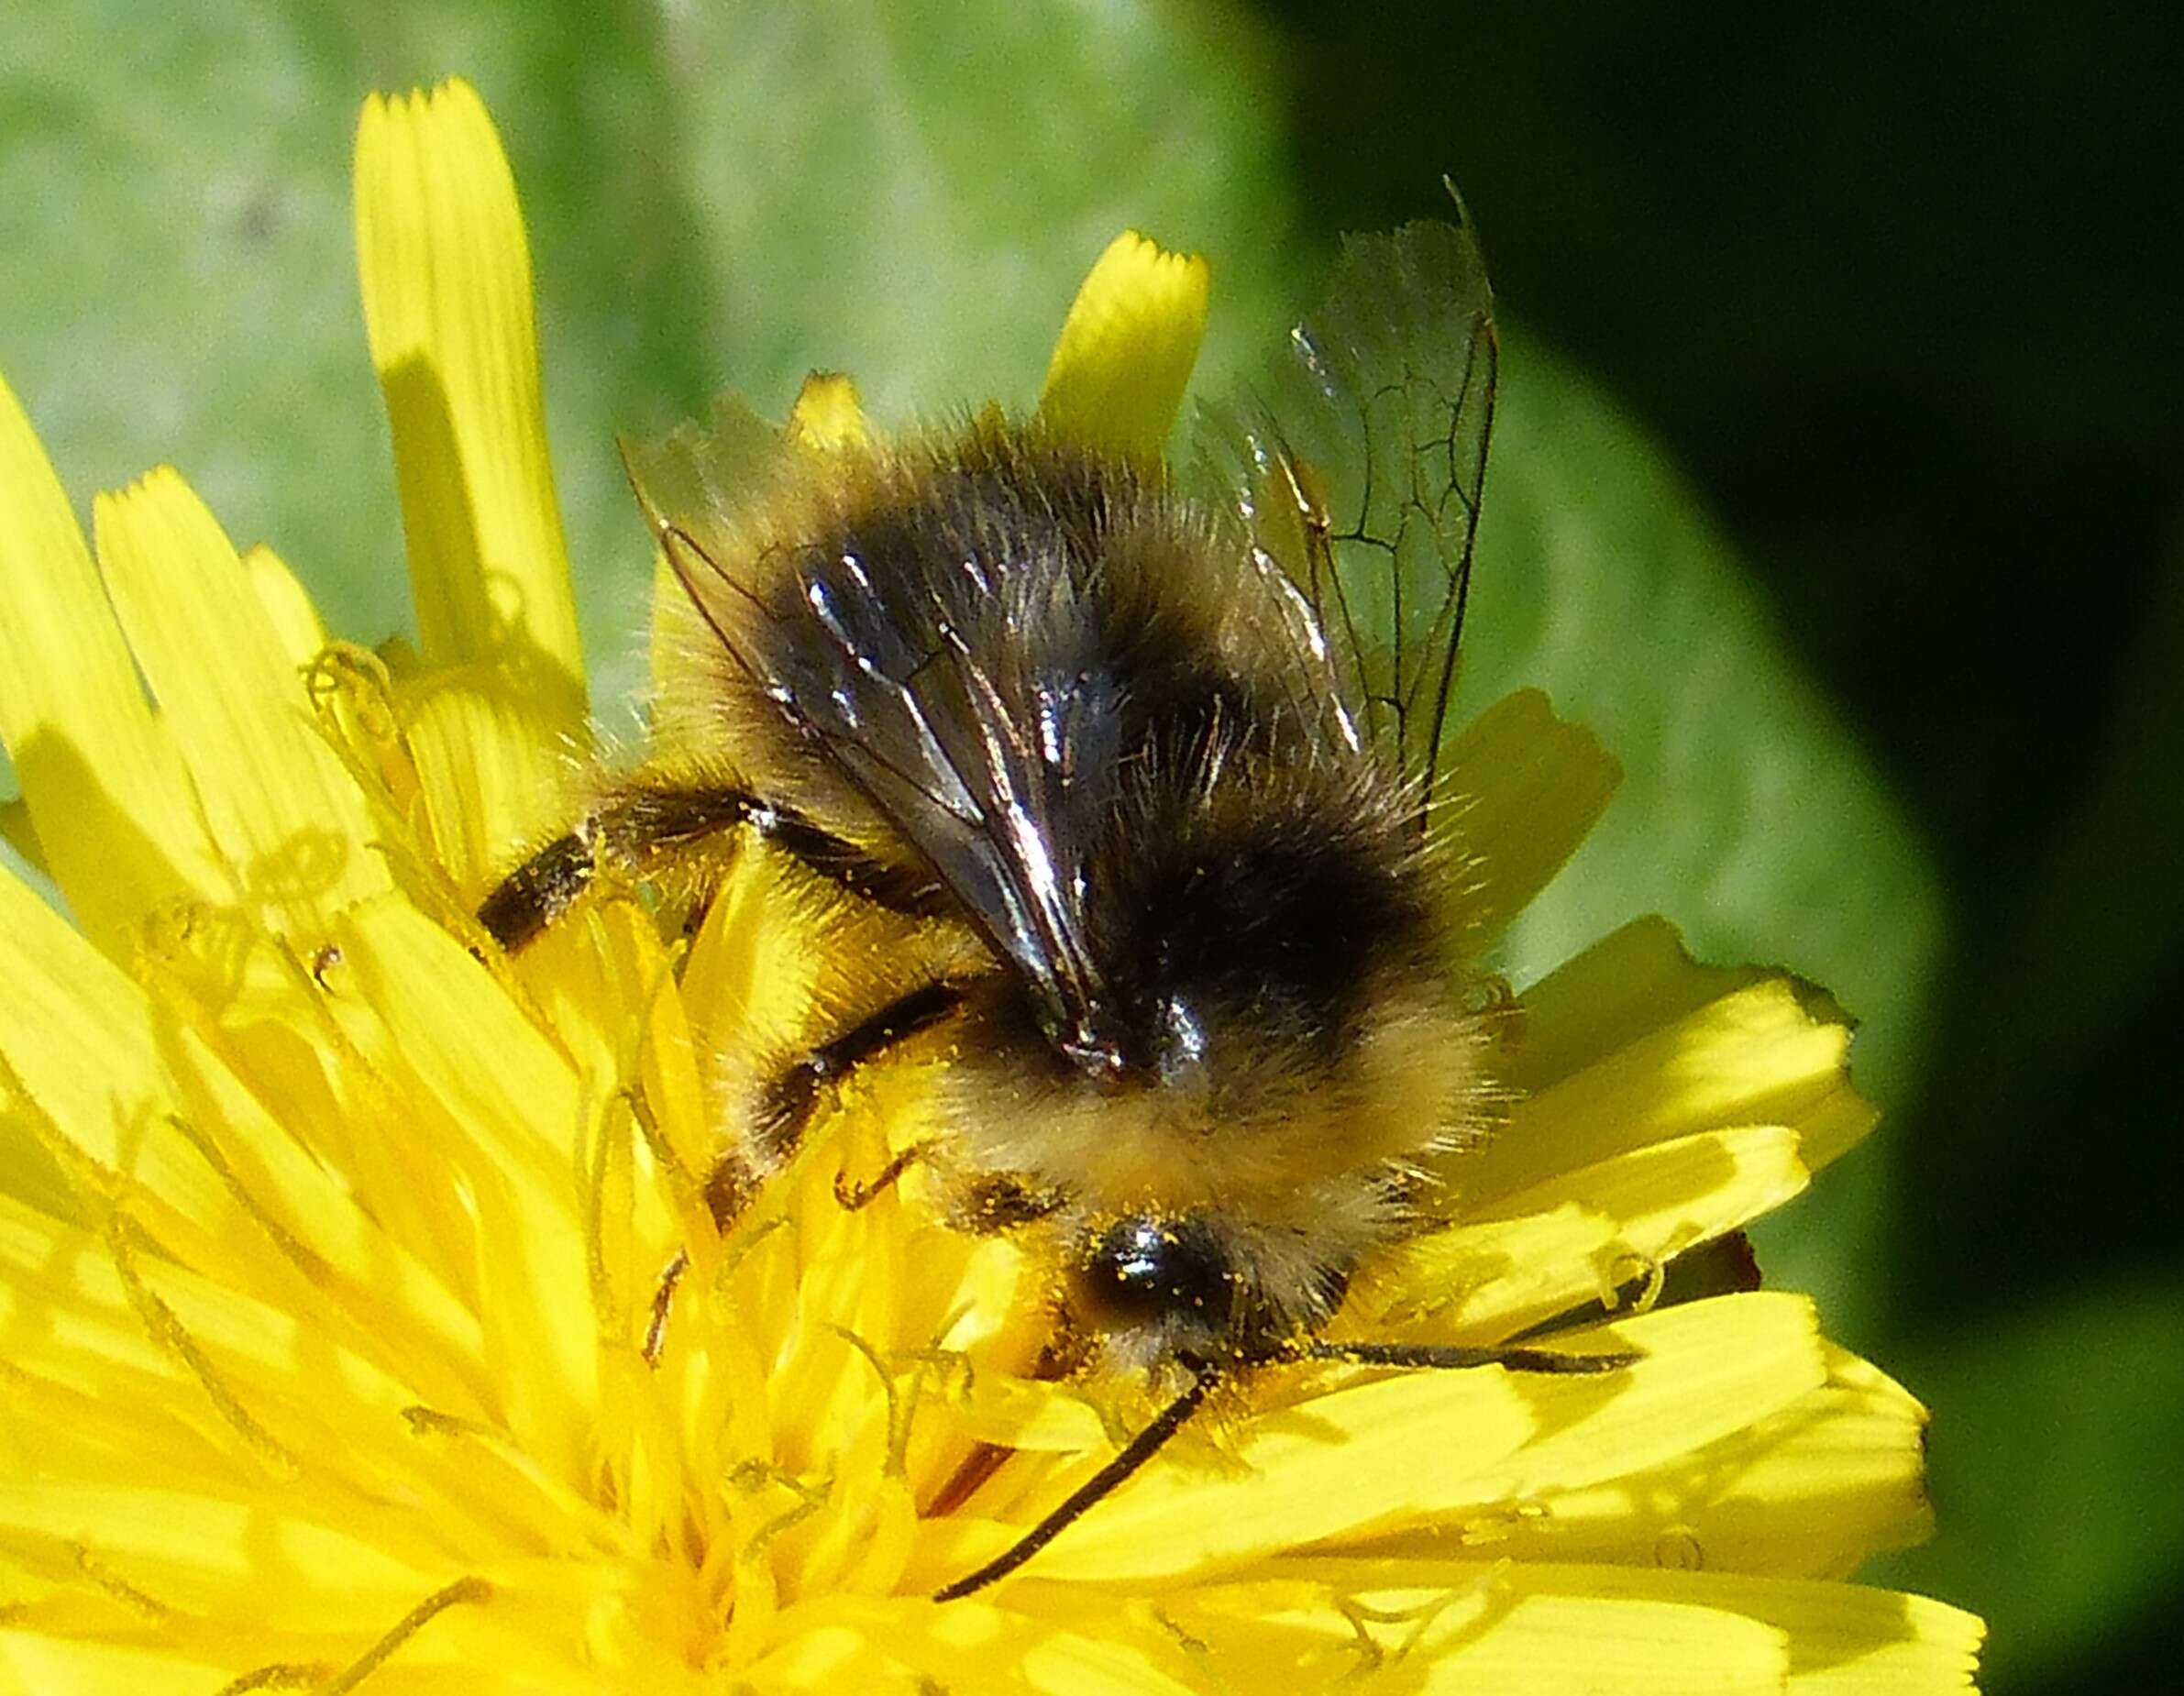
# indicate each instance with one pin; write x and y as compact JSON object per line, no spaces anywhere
{"x":1159,"y":751}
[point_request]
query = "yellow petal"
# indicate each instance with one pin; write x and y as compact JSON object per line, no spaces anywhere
{"x":78,"y":1044}
{"x":1572,"y":1645}
{"x":849,"y":1643}
{"x":501,"y":1107}
{"x":187,"y":1548}
{"x":1605,"y":1628}
{"x":1464,"y":1628}
{"x":1576,"y":1237}
{"x":106,"y":791}
{"x":37,"y":1666}
{"x":1523,"y":788}
{"x":1847,"y":1640}
{"x":446,"y":280}
{"x":326,"y":1206}
{"x":1025,"y":1414}
{"x":1630,"y":982}
{"x":753,"y":978}
{"x":1347,"y":1464}
{"x":203,"y":1169}
{"x":135,"y":1379}
{"x":287,"y":605}
{"x":1127,"y":348}
{"x":1809,"y":1491}
{"x":493,"y":770}
{"x":828,"y":414}
{"x":284,"y":814}
{"x":1762,"y":1052}
{"x":1842,"y":1639}
{"x":1672,"y":1197}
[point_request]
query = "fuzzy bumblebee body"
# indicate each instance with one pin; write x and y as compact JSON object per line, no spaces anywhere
{"x":1218,"y":1025}
{"x":1150,"y":759}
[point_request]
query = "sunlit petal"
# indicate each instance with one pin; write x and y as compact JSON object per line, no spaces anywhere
{"x":1127,"y":348}
{"x":447,"y":277}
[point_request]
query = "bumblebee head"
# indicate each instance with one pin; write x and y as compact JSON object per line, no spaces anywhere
{"x":1167,"y":1288}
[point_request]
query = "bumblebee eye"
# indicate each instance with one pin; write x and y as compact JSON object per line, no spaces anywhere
{"x":1144,"y":1268}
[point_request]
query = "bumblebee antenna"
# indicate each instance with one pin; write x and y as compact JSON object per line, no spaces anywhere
{"x":1135,"y":1453}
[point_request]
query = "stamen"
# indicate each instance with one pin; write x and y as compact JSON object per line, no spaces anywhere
{"x":1191,"y":1644}
{"x":1633,"y":1284}
{"x":430,"y":1422}
{"x":304,"y":1259}
{"x":900,"y":1409}
{"x":345,"y":673}
{"x":285,"y":1675}
{"x":1371,"y":1656}
{"x":605,"y":1139}
{"x":145,"y":1607}
{"x":89,"y":1181}
{"x":462,"y":1591}
{"x":610,"y":1142}
{"x":1678,"y":1549}
{"x":751,"y":1476}
{"x":324,"y":962}
{"x":682,"y":1183}
{"x":168,"y":1331}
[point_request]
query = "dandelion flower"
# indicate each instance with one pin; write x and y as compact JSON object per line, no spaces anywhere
{"x":330,"y":1235}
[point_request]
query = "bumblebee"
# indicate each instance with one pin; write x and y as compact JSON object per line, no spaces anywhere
{"x":1160,"y":751}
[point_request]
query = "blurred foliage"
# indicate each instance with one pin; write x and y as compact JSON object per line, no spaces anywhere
{"x":1900,"y":713}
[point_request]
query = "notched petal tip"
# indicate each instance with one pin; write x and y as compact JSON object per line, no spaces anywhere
{"x":445,"y":273}
{"x":285,"y":815}
{"x":1127,"y":348}
{"x":1634,"y":1042}
{"x":106,"y":794}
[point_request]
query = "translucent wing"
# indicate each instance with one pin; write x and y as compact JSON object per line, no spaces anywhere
{"x":1357,"y":463}
{"x":964,"y":704}
{"x":697,"y":472}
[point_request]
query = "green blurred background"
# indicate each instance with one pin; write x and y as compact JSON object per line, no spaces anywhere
{"x":1837,"y":487}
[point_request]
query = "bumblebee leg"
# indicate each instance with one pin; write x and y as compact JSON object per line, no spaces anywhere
{"x":788,"y":1105}
{"x":792,"y":1097}
{"x":1001,"y":1202}
{"x":663,"y":1301}
{"x":728,"y":1187}
{"x":855,"y":1197}
{"x":640,"y":827}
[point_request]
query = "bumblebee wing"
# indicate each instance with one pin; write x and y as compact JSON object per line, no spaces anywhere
{"x":1357,"y":464}
{"x":696,"y":477}
{"x":981,"y":754}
